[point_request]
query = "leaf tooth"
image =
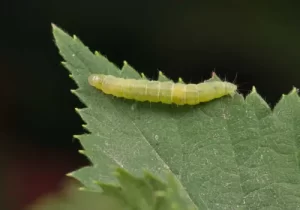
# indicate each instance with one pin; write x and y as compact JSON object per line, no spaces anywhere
{"x":53,"y":26}
{"x":69,"y":175}
{"x":73,"y":91}
{"x":75,"y":37}
{"x":253,"y":90}
{"x":294,"y":90}
{"x":97,"y":53}
{"x":77,"y":136}
{"x":85,"y":126}
{"x":180,"y":80}
{"x":143,"y":76}
{"x":82,"y":152}
{"x":77,"y":110}
{"x":162,"y":77}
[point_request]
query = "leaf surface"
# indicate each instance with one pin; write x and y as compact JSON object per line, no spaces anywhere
{"x":230,"y":153}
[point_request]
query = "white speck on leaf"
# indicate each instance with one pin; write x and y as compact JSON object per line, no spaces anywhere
{"x":133,"y":106}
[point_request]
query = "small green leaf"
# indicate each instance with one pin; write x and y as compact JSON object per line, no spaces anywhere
{"x":133,"y":193}
{"x":73,"y":199}
{"x":146,"y":193}
{"x":230,"y":153}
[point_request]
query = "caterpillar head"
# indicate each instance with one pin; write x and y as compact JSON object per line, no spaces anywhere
{"x":96,"y":80}
{"x":230,"y":88}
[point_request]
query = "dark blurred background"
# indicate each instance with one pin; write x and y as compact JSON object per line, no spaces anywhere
{"x":257,"y":43}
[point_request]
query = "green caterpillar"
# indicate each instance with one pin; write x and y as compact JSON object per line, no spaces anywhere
{"x":164,"y":92}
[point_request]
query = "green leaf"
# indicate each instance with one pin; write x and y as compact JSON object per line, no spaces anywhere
{"x":230,"y":153}
{"x":146,"y":193}
{"x":73,"y":199}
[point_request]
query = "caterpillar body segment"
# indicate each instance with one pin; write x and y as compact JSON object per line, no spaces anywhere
{"x":166,"y":92}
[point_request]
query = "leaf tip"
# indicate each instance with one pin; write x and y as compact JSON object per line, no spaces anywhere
{"x":56,"y":30}
{"x":143,"y":76}
{"x":69,"y":175}
{"x":295,"y":90}
{"x":81,"y":152}
{"x":253,"y":90}
{"x":53,"y":26}
{"x":180,"y":80}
